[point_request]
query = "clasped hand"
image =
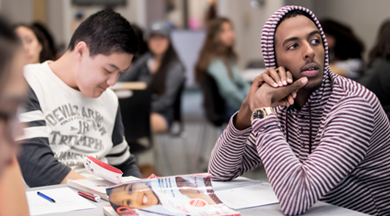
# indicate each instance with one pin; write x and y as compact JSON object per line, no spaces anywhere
{"x":272,"y":88}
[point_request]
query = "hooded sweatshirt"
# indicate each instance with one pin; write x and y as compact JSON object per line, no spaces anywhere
{"x":336,"y":148}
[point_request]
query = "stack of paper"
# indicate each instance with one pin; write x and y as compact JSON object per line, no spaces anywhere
{"x":244,"y":193}
{"x":65,"y":198}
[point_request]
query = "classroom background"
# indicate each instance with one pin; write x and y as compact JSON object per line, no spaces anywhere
{"x":186,"y":147}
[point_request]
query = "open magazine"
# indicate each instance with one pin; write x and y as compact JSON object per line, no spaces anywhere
{"x":176,"y":195}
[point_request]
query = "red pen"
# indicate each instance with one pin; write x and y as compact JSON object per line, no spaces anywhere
{"x":92,"y":197}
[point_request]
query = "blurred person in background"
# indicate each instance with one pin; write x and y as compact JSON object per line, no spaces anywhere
{"x":143,"y":47}
{"x":52,"y":51}
{"x":38,"y":45}
{"x":12,"y":93}
{"x":377,"y":76}
{"x":345,"y":49}
{"x":163,"y":71}
{"x":218,"y":59}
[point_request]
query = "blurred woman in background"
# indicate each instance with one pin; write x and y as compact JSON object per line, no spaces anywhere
{"x":345,"y":49}
{"x":13,"y":89}
{"x":37,"y":43}
{"x":218,"y":59}
{"x":377,"y":76}
{"x":162,"y":70}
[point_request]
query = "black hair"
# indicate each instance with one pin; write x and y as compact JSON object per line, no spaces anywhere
{"x":46,"y":52}
{"x":381,"y":49}
{"x":142,"y":47}
{"x":49,"y":50}
{"x":157,"y":85}
{"x":105,"y":32}
{"x":348,"y":45}
{"x":293,"y":13}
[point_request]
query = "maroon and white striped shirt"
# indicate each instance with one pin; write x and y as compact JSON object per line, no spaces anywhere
{"x":336,"y":148}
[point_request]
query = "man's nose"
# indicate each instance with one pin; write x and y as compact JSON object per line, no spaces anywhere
{"x":112,"y":79}
{"x":308,"y":51}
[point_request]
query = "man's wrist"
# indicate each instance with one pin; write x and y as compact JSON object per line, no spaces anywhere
{"x":243,"y":117}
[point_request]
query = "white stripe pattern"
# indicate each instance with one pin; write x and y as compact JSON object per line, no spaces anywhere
{"x":119,"y":147}
{"x":31,"y":116}
{"x":34,"y":132}
{"x":119,"y":159}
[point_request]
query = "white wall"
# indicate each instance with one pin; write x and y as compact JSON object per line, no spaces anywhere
{"x":133,"y":11}
{"x":248,"y":24}
{"x":17,"y":11}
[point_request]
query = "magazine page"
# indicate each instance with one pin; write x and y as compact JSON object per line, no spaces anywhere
{"x":175,"y":195}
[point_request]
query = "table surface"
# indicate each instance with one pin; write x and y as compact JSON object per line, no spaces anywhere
{"x":320,"y":208}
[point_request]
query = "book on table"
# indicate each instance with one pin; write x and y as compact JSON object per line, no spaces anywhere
{"x":174,"y":195}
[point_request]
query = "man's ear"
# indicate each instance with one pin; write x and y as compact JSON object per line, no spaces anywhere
{"x":81,"y":50}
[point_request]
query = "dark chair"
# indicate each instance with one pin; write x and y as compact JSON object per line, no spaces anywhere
{"x":213,"y":103}
{"x":215,"y":112}
{"x":177,"y":116}
{"x":135,"y":112}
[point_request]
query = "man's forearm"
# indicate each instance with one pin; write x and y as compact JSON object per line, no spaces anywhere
{"x":73,"y":175}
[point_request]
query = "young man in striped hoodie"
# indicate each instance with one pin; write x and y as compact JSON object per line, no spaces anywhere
{"x":320,"y":136}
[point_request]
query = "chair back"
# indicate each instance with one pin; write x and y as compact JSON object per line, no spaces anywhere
{"x":135,"y":112}
{"x":213,"y":102}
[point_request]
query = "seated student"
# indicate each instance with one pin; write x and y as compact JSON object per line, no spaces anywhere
{"x":70,"y":112}
{"x":218,"y":59}
{"x":36,"y":44}
{"x":162,"y":70}
{"x":345,"y":49}
{"x":12,"y":94}
{"x":332,"y":144}
{"x":377,"y":76}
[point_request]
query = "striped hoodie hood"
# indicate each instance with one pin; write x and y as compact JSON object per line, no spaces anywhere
{"x":268,"y":35}
{"x":268,"y":49}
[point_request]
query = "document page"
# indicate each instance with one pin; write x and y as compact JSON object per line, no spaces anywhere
{"x":65,"y":198}
{"x":244,"y":193}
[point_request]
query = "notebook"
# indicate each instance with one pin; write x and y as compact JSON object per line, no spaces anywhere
{"x":244,"y":193}
{"x":65,"y":200}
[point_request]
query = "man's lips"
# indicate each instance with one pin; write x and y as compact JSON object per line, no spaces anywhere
{"x":102,"y":88}
{"x":310,"y":70}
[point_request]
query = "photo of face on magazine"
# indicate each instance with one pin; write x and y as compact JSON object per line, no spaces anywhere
{"x":177,"y":195}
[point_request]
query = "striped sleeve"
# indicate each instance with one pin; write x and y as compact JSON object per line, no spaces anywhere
{"x":344,"y":144}
{"x":37,"y":162}
{"x":120,"y":156}
{"x":232,"y":156}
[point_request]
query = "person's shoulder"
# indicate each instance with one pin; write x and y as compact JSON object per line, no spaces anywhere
{"x":142,"y":59}
{"x":347,"y":90}
{"x":109,"y":97}
{"x":33,"y":68}
{"x":215,"y":63}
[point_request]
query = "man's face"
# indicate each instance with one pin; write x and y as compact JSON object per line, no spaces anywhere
{"x":299,"y":48}
{"x":95,"y":74}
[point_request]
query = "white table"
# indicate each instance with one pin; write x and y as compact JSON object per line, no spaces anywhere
{"x":320,"y":208}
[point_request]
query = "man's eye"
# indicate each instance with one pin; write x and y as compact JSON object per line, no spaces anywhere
{"x":109,"y":72}
{"x":315,"y":41}
{"x":128,"y":202}
{"x":292,"y":47}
